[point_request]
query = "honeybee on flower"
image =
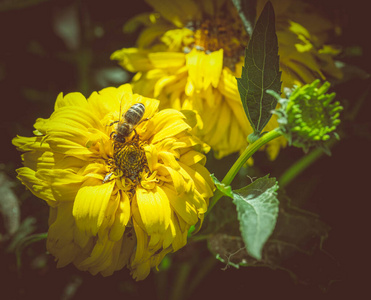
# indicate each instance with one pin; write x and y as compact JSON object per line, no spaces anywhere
{"x":130,"y":220}
{"x":124,"y":154}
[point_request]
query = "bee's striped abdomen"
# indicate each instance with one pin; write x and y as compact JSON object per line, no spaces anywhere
{"x":134,"y":114}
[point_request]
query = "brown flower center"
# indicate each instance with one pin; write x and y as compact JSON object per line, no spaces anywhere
{"x":224,"y":30}
{"x":130,"y":158}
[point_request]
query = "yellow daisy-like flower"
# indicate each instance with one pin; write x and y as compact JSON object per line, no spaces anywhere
{"x":117,"y":198}
{"x":191,"y":51}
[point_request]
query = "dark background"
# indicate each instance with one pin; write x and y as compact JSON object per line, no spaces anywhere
{"x":36,"y":64}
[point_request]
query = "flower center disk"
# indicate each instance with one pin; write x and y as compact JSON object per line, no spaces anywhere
{"x":221,"y":31}
{"x":130,"y":158}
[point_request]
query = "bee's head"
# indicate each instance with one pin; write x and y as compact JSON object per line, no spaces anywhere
{"x":119,"y":138}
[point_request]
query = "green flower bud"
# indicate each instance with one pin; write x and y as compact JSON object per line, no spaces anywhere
{"x":307,"y":118}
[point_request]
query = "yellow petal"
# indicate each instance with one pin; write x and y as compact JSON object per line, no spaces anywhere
{"x":137,"y":60}
{"x":67,"y":147}
{"x":169,"y":159}
{"x":35,"y":185}
{"x":142,"y":240}
{"x":199,"y":200}
{"x":176,"y":11}
{"x":166,"y":123}
{"x":154,"y":209}
{"x":40,"y":160}
{"x":192,"y":157}
{"x":64,"y":184}
{"x":90,"y":205}
{"x":60,"y":240}
{"x":176,"y":177}
{"x":181,"y":204}
{"x":152,"y":34}
{"x":194,"y":61}
{"x":166,"y":60}
{"x":129,"y":243}
{"x":228,"y":85}
{"x":180,"y":239}
{"x":203,"y":182}
{"x":214,"y":67}
{"x":121,"y":218}
{"x":71,"y":99}
{"x":144,"y":258}
{"x":141,"y":271}
{"x":132,"y":59}
{"x":174,"y":235}
{"x":30,"y":143}
{"x":114,"y":259}
{"x":175,"y":39}
{"x":152,"y":156}
{"x":100,"y":258}
{"x":73,"y":118}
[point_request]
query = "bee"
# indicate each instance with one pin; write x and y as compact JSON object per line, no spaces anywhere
{"x":131,"y":119}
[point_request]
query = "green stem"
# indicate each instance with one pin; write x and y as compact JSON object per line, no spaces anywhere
{"x":249,"y":151}
{"x":299,"y":166}
{"x":206,"y":266}
{"x":179,"y":287}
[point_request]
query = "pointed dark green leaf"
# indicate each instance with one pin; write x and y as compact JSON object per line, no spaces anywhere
{"x":261,"y":71}
{"x":257,"y":211}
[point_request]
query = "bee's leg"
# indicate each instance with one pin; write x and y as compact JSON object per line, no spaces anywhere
{"x":107,"y":177}
{"x":136,"y":135}
{"x":112,"y":133}
{"x":143,"y":120}
{"x":114,"y":122}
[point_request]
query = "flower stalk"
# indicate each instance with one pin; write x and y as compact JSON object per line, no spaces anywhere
{"x":249,"y":151}
{"x":302,"y":164}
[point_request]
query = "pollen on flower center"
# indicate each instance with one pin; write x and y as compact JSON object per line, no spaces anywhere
{"x":222,"y":31}
{"x":130,"y":159}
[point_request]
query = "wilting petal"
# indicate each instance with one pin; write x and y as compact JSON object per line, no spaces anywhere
{"x":101,"y":257}
{"x":60,"y":240}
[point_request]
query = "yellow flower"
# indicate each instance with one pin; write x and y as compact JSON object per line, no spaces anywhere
{"x":116,"y":198}
{"x":190,"y":52}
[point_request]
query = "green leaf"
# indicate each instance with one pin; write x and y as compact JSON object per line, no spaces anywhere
{"x":257,"y":211}
{"x":261,"y":71}
{"x":27,"y":241}
{"x":225,"y":189}
{"x":295,"y":246}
